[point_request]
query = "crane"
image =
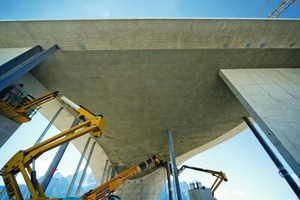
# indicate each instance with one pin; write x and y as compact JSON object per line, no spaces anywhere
{"x":21,"y":161}
{"x":281,"y":8}
{"x":103,"y":191}
{"x":221,"y":176}
{"x":26,"y":106}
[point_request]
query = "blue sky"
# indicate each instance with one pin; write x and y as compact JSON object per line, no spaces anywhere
{"x":99,"y":9}
{"x":251,"y":173}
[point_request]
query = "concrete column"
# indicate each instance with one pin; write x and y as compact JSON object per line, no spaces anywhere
{"x":55,"y":162}
{"x":78,"y":167}
{"x":84,"y":170}
{"x":104,"y":172}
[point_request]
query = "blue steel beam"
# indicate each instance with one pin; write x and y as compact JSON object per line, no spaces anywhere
{"x":9,"y":65}
{"x":12,"y":75}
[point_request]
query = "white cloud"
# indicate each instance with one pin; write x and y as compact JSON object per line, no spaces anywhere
{"x":221,"y":193}
{"x":238,"y":193}
{"x":209,"y":180}
{"x":106,"y":14}
{"x":42,"y":166}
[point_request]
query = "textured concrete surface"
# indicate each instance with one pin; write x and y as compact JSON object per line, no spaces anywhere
{"x":7,"y":128}
{"x":147,"y":75}
{"x":272,"y":97}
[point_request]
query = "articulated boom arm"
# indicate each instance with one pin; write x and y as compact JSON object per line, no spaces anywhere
{"x":22,"y":108}
{"x":110,"y":186}
{"x":26,"y":106}
{"x":220,"y":175}
{"x":21,"y":161}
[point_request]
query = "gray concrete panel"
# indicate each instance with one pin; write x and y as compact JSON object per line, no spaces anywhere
{"x":272,"y":98}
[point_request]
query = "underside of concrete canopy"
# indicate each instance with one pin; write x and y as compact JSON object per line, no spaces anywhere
{"x":149,"y":75}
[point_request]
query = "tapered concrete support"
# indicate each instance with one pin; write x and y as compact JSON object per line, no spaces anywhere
{"x":55,"y":162}
{"x":84,"y":170}
{"x":48,"y":126}
{"x":108,"y":173}
{"x":78,"y":167}
{"x":104,"y":172}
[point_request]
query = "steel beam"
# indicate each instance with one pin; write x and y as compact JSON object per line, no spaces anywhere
{"x":104,"y":172}
{"x":11,"y":64}
{"x":174,"y":166}
{"x":13,"y":74}
{"x":282,"y":171}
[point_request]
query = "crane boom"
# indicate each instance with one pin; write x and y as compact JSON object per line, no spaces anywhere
{"x":221,"y":176}
{"x":22,"y":111}
{"x":110,"y":186}
{"x":21,"y":161}
{"x":281,"y":8}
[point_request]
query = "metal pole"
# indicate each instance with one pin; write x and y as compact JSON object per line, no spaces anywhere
{"x":141,"y":197}
{"x":48,"y":126}
{"x":167,"y":165}
{"x":174,"y":166}
{"x":59,"y":154}
{"x":84,"y":170}
{"x":282,"y":171}
{"x":104,"y":172}
{"x":78,"y":167}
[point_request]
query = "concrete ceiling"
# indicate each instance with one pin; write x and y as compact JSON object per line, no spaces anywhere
{"x":149,"y":75}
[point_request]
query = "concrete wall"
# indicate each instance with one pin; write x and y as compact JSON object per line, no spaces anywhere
{"x":272,"y":97}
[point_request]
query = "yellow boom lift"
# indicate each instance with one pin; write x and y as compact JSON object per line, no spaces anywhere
{"x":21,"y":161}
{"x":221,"y":176}
{"x":25,"y":107}
{"x":104,"y":191}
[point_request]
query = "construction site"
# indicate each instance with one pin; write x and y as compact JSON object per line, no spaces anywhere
{"x":139,"y":97}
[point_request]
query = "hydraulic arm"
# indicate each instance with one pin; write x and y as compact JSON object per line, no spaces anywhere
{"x":220,"y":176}
{"x":26,"y":106}
{"x":21,"y":161}
{"x":103,"y":191}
